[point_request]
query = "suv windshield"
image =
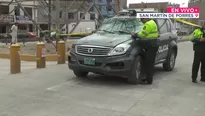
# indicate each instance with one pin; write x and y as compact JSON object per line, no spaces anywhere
{"x":121,"y":25}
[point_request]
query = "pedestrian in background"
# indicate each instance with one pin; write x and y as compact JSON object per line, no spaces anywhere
{"x":14,"y":32}
{"x":198,"y":39}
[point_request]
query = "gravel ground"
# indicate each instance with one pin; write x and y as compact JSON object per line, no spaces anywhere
{"x":30,"y":47}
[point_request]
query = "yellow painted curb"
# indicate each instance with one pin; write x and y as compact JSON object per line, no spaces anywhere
{"x":25,"y":57}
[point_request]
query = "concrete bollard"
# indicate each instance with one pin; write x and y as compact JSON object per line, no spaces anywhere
{"x":40,"y":55}
{"x":15,"y":60}
{"x":61,"y":52}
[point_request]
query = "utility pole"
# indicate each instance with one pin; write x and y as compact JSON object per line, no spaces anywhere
{"x":58,"y":22}
{"x":49,"y":17}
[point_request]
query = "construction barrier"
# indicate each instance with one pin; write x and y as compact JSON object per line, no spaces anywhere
{"x":61,"y":52}
{"x":40,"y":55}
{"x":15,"y":60}
{"x":186,"y":22}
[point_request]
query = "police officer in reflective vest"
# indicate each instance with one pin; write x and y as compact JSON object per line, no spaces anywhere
{"x":199,"y":53}
{"x":148,"y":40}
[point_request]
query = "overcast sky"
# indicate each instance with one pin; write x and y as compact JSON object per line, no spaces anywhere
{"x":173,"y":1}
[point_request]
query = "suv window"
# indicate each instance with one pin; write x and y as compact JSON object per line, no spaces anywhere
{"x":172,"y":25}
{"x":169,"y":25}
{"x":162,"y":23}
{"x":121,"y":24}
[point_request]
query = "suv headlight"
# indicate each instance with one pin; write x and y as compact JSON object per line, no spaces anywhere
{"x":119,"y":49}
{"x":73,"y":48}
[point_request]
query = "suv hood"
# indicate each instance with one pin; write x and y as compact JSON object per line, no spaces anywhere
{"x":109,"y":40}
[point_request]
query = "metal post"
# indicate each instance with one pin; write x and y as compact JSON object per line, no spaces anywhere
{"x":57,"y":23}
{"x":49,"y":17}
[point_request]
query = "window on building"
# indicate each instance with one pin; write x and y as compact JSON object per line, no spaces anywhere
{"x":169,"y":26}
{"x":162,"y":26}
{"x":81,"y":15}
{"x":30,"y":28}
{"x":109,"y":5}
{"x":70,"y":15}
{"x":17,"y":11}
{"x":29,"y":10}
{"x":100,"y":8}
{"x":22,"y":27}
{"x":60,"y":14}
{"x":4,"y":9}
{"x":92,"y":16}
{"x":91,"y":9}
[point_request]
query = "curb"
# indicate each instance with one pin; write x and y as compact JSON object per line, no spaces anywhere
{"x":50,"y":57}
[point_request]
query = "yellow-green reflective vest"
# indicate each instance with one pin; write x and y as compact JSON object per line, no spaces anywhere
{"x":197,"y":34}
{"x":149,"y":30}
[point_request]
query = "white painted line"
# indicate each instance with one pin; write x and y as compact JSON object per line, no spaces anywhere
{"x":56,"y":87}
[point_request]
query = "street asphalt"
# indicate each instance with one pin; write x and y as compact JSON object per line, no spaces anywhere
{"x":55,"y":91}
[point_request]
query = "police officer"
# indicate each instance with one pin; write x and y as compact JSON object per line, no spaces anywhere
{"x":148,"y":40}
{"x":199,"y":53}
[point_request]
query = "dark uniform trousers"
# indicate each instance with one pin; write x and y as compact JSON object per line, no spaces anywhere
{"x":150,"y":52}
{"x":199,"y":58}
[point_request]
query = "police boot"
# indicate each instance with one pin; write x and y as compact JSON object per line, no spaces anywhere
{"x":194,"y":80}
{"x":202,"y":79}
{"x":143,"y":79}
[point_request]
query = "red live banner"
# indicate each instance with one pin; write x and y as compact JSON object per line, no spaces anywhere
{"x":183,"y":10}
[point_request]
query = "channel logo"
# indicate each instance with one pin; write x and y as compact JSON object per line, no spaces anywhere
{"x":173,"y":13}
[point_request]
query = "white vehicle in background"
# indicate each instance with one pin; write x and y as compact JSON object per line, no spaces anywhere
{"x":82,"y":27}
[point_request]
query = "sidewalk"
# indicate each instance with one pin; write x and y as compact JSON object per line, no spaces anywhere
{"x":25,"y":67}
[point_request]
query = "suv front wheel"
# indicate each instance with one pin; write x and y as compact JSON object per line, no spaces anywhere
{"x":135,"y":76}
{"x":80,"y":73}
{"x":170,"y":62}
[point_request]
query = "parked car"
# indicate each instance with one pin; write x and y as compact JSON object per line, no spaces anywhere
{"x":31,"y":35}
{"x":111,"y":50}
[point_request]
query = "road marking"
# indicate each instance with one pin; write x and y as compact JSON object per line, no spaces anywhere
{"x":56,"y":87}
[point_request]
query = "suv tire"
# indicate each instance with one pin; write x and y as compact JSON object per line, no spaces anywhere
{"x":80,"y":73}
{"x":170,"y":62}
{"x":135,"y":76}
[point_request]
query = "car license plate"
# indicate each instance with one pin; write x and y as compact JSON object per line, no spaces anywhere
{"x":89,"y":61}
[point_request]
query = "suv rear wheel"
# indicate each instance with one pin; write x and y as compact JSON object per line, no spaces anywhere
{"x":170,"y":62}
{"x":80,"y":73}
{"x":135,"y":76}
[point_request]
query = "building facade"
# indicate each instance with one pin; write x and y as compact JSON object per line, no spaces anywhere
{"x":39,"y":13}
{"x":109,"y":8}
{"x":11,"y":14}
{"x":201,"y":19}
{"x":160,"y":6}
{"x":74,"y":14}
